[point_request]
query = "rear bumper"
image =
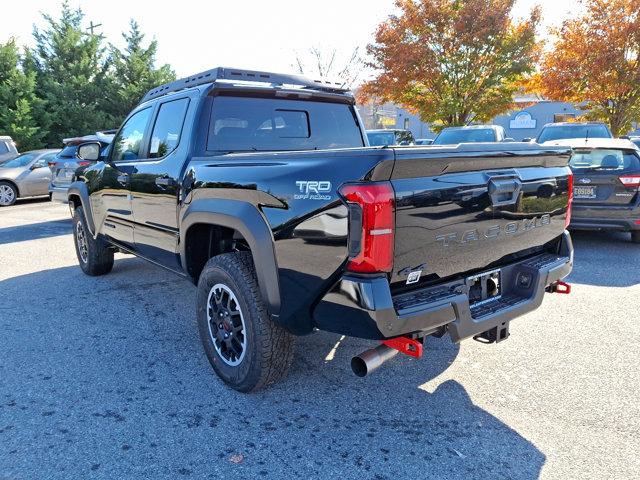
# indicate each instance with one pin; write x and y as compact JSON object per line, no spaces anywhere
{"x":59,"y":194}
{"x":364,"y":307}
{"x":605,"y":218}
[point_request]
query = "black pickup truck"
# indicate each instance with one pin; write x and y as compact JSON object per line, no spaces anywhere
{"x":262,"y":189}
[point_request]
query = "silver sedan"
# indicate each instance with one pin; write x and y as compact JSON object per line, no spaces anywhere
{"x":27,"y":175}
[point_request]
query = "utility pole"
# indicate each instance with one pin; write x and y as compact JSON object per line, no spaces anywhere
{"x":93,"y":26}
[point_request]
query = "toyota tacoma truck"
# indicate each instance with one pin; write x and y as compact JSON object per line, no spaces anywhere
{"x":261,"y":188}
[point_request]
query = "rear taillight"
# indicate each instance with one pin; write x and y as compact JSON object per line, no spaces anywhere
{"x":83,"y":163}
{"x":371,"y":226}
{"x":51,"y":165}
{"x":568,"y":219}
{"x":632,"y":181}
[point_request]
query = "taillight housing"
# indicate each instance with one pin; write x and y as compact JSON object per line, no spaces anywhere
{"x":570,"y":200}
{"x":632,"y":181}
{"x":371,"y":226}
{"x":84,"y":163}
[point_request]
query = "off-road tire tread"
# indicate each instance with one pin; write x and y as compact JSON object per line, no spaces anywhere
{"x":276,"y":346}
{"x":100,"y":256}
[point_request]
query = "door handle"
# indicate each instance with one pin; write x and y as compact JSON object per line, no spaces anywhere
{"x":504,"y":192}
{"x":165,"y":182}
{"x":123,"y":179}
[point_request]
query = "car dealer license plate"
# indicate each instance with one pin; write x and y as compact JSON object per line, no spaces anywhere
{"x":584,"y":192}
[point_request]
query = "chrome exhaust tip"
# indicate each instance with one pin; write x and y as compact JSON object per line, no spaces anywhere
{"x":369,"y":360}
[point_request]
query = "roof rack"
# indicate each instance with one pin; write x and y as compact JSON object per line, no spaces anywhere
{"x":223,"y":73}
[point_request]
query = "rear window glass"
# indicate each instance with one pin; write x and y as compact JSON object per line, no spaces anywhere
{"x":69,"y":151}
{"x":604,"y":160}
{"x":471,"y":135}
{"x":563,"y":132}
{"x":240,"y":124}
{"x":379,"y":139}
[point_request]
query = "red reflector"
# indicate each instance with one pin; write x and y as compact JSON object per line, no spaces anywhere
{"x":378,"y":223}
{"x":570,"y":201}
{"x":630,"y":180}
{"x":637,"y":222}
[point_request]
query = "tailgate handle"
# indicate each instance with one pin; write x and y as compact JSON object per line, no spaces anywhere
{"x":504,"y":192}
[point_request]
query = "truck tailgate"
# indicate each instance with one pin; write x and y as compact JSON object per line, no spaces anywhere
{"x":468,"y":208}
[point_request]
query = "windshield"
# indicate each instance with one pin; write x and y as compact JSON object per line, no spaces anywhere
{"x":604,"y":160}
{"x":380,"y":139}
{"x":562,"y":132}
{"x":464,"y":135}
{"x":19,"y":161}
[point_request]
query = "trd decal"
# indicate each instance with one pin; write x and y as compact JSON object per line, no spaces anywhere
{"x":312,"y":190}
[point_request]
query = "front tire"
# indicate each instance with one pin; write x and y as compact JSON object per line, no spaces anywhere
{"x":94,"y":256}
{"x":245,"y":348}
{"x":8,"y":194}
{"x":635,"y":236}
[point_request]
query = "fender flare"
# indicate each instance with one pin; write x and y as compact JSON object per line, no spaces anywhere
{"x":251,"y":224}
{"x":80,"y":190}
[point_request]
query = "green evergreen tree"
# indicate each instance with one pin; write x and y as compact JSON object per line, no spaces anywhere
{"x":71,"y":70}
{"x":17,"y":99}
{"x":134,"y":71}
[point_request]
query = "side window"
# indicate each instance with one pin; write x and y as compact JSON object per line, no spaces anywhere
{"x":3,"y":148}
{"x":128,"y":143}
{"x":41,"y":162}
{"x":168,"y":126}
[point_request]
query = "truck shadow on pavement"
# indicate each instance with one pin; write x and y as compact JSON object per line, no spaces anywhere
{"x":105,"y":376}
{"x":34,"y":231}
{"x":605,"y":259}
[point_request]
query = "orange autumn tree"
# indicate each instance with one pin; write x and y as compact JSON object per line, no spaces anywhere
{"x":596,"y":63}
{"x":452,"y":61}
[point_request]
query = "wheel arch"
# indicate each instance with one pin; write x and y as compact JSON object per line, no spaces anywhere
{"x":249,"y":223}
{"x":78,"y":195}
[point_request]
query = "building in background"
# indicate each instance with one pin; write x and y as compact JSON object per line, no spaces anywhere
{"x":530,"y":114}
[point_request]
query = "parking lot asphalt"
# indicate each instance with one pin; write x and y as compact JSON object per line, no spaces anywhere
{"x":106,"y":378}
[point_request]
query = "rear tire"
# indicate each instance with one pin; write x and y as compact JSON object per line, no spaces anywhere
{"x":94,"y":256}
{"x":635,"y":236}
{"x":246,"y":349}
{"x":8,"y":194}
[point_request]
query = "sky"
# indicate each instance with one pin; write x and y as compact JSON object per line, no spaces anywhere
{"x":253,"y":34}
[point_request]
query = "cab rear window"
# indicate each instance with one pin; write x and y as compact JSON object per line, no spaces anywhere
{"x":605,"y":160}
{"x":246,"y":124}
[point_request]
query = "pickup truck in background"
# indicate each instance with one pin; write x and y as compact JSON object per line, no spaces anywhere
{"x":261,"y":188}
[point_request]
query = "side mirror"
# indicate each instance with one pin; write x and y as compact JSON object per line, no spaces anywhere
{"x":89,"y":151}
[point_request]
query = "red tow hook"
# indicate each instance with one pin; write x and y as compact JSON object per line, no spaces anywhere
{"x":405,"y":345}
{"x":561,"y":287}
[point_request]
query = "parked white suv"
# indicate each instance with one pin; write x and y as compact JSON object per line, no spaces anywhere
{"x":8,"y":149}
